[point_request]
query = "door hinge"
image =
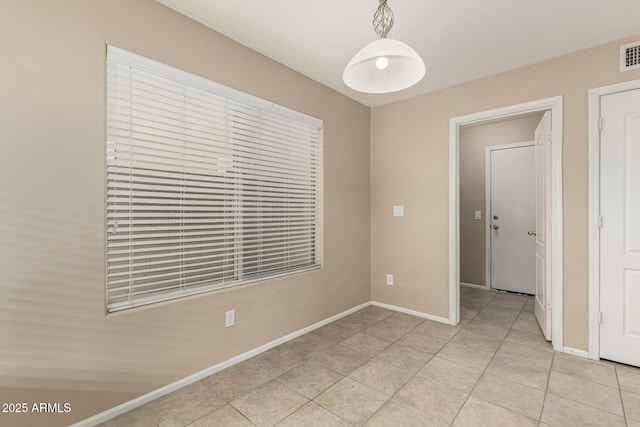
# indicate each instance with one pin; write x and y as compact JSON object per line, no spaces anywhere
{"x":600,"y":219}
{"x":599,"y":318}
{"x":600,"y":123}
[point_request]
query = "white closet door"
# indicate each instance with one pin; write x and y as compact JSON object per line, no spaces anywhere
{"x":620,"y":233}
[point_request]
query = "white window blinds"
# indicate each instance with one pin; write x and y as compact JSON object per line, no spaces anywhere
{"x":207,"y":187}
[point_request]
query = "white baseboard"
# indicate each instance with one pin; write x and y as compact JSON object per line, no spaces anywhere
{"x":412,"y":312}
{"x":575,"y":352}
{"x":472,"y":285}
{"x":155,"y":394}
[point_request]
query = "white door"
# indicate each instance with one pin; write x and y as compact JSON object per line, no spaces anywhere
{"x":543,"y":225}
{"x":511,"y":215}
{"x":620,"y":232}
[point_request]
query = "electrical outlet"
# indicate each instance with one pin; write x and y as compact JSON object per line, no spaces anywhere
{"x":230,"y":318}
{"x":390,"y":279}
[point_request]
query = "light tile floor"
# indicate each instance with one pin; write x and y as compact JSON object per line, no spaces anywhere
{"x":381,"y":368}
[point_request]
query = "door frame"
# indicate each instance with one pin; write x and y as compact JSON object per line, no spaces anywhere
{"x":487,"y":192}
{"x":555,"y":199}
{"x":594,"y":207}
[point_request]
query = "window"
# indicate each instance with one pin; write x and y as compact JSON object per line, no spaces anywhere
{"x":207,"y":187}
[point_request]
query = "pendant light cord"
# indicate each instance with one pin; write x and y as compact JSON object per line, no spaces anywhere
{"x":383,"y":19}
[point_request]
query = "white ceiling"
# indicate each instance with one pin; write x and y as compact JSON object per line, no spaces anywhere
{"x":459,"y":40}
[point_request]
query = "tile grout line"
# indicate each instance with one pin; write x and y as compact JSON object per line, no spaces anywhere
{"x":546,"y":389}
{"x":370,"y":358}
{"x":152,"y":416}
{"x":481,"y":374}
{"x":594,"y":383}
{"x":413,"y":375}
{"x":485,"y":368}
{"x":272,"y":378}
{"x":322,"y":364}
{"x":484,"y":371}
{"x":225,"y":403}
{"x":409,"y":379}
{"x":352,"y":379}
{"x":624,"y":412}
{"x":327,"y":367}
{"x":437,"y":352}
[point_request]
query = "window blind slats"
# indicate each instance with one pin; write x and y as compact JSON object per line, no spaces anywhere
{"x":262,"y":239}
{"x":157,"y":269}
{"x":146,"y":244}
{"x":206,"y":187}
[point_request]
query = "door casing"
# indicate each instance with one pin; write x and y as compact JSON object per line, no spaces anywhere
{"x":555,"y":199}
{"x":594,"y":208}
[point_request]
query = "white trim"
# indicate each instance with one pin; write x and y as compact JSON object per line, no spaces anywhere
{"x":555,"y":105}
{"x":594,"y":208}
{"x":576,"y":352}
{"x":487,"y":219}
{"x":511,"y":145}
{"x":594,"y":231}
{"x":139,"y":401}
{"x":471,"y":285}
{"x":454,"y":222}
{"x":487,"y":203}
{"x":411,"y":312}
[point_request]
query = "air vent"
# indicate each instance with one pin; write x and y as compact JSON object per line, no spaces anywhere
{"x":630,"y":56}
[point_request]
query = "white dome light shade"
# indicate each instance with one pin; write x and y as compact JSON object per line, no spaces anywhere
{"x":404,"y":69}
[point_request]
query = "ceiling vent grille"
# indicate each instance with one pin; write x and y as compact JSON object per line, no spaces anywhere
{"x":630,"y":56}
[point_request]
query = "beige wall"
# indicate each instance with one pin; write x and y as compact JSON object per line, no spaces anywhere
{"x":56,"y":342}
{"x":410,"y":166}
{"x":474,"y":139}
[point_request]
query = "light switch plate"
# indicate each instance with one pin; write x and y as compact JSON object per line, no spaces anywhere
{"x":398,"y":210}
{"x":478,"y":215}
{"x":230,"y":318}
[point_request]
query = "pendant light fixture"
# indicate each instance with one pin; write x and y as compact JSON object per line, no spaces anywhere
{"x":384,"y":65}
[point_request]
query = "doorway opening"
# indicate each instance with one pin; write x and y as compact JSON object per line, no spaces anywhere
{"x":552,"y":197}
{"x":497,"y":203}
